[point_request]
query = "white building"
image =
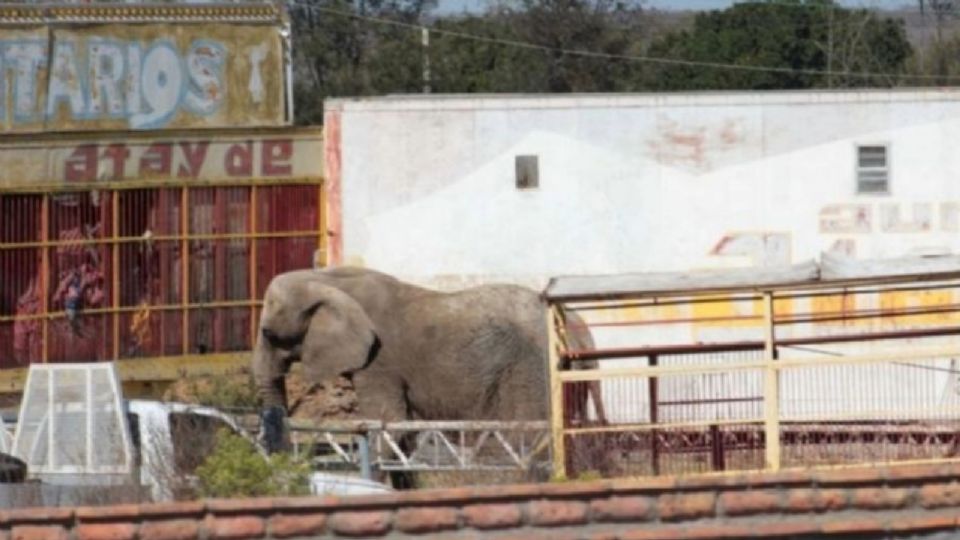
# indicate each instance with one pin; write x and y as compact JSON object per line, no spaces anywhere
{"x":452,"y":190}
{"x":449,"y":190}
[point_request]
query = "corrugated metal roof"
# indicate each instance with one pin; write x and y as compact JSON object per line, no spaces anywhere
{"x":831,"y":271}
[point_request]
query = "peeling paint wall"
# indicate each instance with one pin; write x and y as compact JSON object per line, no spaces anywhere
{"x":231,"y":157}
{"x":141,"y":77}
{"x":640,"y":182}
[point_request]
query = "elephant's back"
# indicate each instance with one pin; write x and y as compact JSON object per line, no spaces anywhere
{"x":507,"y":300}
{"x":495,"y":337}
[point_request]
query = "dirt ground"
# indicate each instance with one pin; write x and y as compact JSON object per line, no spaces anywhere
{"x":333,"y":399}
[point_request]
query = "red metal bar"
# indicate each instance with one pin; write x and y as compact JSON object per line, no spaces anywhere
{"x":831,"y":316}
{"x":163,"y":227}
{"x":44,"y":277}
{"x":220,"y":271}
{"x":716,"y":447}
{"x":630,"y":352}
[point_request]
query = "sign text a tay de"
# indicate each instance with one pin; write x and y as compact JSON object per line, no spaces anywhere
{"x":190,"y":159}
{"x":154,"y":78}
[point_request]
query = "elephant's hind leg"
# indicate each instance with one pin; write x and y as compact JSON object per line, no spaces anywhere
{"x":380,"y":397}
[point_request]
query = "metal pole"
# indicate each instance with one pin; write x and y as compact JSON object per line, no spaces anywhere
{"x":115,"y":271}
{"x":425,"y":43}
{"x":252,"y":254}
{"x":654,"y":398}
{"x":185,"y":269}
{"x":771,"y":395}
{"x":366,"y":469}
{"x":556,"y":394}
{"x":45,"y":281}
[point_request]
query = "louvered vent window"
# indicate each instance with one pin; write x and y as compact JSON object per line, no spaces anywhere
{"x":873,"y":172}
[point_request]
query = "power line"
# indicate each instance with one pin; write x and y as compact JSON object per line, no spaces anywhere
{"x":630,"y":58}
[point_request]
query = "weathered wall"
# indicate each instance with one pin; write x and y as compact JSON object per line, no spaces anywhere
{"x":874,"y":502}
{"x":141,"y":76}
{"x":230,"y":157}
{"x":637,"y":182}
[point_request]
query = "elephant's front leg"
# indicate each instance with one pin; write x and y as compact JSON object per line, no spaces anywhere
{"x":380,"y":396}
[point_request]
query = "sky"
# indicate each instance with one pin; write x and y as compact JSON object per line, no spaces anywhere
{"x":455,"y":6}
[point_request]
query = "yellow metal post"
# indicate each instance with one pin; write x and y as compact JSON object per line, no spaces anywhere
{"x":185,"y":269}
{"x":771,"y":394}
{"x":116,"y":274}
{"x":556,"y":394}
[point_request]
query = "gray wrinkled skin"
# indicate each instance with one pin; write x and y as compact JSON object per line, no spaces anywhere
{"x":412,"y":353}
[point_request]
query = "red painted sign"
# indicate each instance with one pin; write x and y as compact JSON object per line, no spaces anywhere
{"x":267,"y":158}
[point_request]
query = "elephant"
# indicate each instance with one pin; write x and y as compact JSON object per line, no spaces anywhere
{"x":413,"y":353}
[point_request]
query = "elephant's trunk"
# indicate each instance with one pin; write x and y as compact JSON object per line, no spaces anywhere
{"x":273,"y":392}
{"x":269,"y":372}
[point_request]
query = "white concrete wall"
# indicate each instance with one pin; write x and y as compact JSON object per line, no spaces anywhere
{"x":641,"y":182}
{"x":656,"y":183}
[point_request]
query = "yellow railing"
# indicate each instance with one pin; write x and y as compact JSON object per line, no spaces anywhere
{"x":810,"y":393}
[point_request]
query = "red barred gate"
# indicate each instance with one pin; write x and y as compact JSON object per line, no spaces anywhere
{"x":133,"y":267}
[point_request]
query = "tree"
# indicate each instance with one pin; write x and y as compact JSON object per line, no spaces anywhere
{"x":548,"y":28}
{"x":609,"y":27}
{"x":342,"y":55}
{"x":800,"y":36}
{"x":939,"y":58}
{"x":339,"y":51}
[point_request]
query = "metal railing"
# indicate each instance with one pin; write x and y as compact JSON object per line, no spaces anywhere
{"x":761,"y":379}
{"x":372,"y":447}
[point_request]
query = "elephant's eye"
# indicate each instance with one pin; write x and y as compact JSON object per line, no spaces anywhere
{"x":278,"y":341}
{"x":310,"y":311}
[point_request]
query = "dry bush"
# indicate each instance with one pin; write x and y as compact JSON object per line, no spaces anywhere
{"x":334,"y":399}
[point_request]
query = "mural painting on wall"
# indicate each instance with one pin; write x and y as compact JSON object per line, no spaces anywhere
{"x":141,"y":77}
{"x":848,"y":221}
{"x":762,"y":248}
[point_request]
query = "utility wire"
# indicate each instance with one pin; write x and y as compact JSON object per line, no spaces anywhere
{"x":612,"y":56}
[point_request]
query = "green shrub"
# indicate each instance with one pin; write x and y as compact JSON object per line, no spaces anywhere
{"x":236,"y":469}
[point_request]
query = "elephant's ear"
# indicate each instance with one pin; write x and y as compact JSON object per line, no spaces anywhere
{"x":340,"y":336}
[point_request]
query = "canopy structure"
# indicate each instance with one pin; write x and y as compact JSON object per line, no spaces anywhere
{"x":831,"y":271}
{"x":757,"y":368}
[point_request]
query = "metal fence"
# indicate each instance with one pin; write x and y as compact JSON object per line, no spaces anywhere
{"x":414,"y":446}
{"x":146,"y":272}
{"x":822,"y":375}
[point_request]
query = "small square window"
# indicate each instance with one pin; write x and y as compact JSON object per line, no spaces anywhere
{"x":873,"y":171}
{"x":528,"y":174}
